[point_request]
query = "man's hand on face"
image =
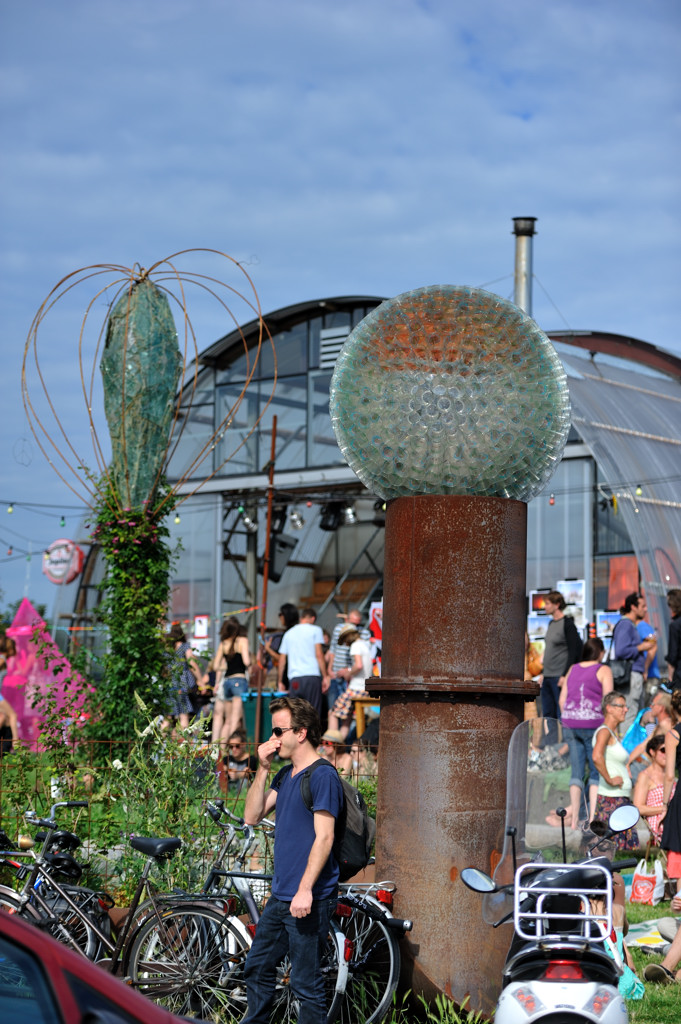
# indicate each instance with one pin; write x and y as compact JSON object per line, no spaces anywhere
{"x":268,"y":749}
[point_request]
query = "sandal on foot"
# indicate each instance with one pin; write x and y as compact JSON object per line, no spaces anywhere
{"x":656,"y":972}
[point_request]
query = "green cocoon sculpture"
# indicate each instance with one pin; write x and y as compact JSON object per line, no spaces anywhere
{"x":149,"y":383}
{"x":141,"y":367}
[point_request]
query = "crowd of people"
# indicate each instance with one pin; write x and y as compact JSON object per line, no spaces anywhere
{"x":327,"y":671}
{"x":624,"y":742}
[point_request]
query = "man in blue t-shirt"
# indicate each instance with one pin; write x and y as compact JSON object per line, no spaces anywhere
{"x":627,"y":644}
{"x":301,"y":654}
{"x":305,"y":881}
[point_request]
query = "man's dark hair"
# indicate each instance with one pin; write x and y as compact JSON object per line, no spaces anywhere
{"x":289,"y":614}
{"x":592,"y":649}
{"x":630,"y":601}
{"x":674,"y":601}
{"x":177,"y":633}
{"x":555,"y":597}
{"x":308,"y":613}
{"x":303,"y":716}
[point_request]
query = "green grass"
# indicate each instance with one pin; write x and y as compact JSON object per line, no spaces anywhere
{"x":661,"y":1004}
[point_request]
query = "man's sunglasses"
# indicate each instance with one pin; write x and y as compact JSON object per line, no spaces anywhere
{"x":278,"y":731}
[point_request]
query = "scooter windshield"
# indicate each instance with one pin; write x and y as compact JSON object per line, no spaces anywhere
{"x":537,"y":785}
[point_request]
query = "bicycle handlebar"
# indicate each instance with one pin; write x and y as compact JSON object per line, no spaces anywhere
{"x":398,"y":924}
{"x":624,"y":865}
{"x":51,"y":822}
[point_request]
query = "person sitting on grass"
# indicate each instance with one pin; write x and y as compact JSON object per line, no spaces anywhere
{"x":667,"y":972}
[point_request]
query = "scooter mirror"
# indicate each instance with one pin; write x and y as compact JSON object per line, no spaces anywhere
{"x":623,"y":818}
{"x":477,"y":880}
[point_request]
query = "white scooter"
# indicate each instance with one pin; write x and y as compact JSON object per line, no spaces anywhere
{"x":557,"y":970}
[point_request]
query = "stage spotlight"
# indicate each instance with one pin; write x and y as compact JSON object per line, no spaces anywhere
{"x":349,"y":516}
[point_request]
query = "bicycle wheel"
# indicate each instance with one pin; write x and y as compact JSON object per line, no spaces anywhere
{"x":10,"y":903}
{"x":373,"y":962}
{"x":190,"y":960}
{"x":59,"y":920}
{"x":72,"y":928}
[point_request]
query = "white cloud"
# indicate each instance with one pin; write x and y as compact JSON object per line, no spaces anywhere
{"x":364,"y":146}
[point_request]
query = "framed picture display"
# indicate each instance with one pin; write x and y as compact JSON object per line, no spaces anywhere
{"x":606,"y":622}
{"x":573,"y":591}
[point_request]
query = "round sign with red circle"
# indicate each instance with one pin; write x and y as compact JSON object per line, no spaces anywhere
{"x":62,"y":561}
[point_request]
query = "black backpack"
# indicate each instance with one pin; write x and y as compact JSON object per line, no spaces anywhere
{"x":355,"y":829}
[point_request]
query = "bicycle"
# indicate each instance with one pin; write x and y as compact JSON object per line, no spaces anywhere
{"x":169,"y":948}
{"x":371,"y":950}
{"x":57,"y":863}
{"x":363,"y":920}
{"x":250,"y":887}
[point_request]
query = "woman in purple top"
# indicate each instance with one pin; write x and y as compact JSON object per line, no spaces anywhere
{"x":586,"y":684}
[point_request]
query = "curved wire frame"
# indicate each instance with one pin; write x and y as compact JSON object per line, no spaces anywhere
{"x":55,"y":443}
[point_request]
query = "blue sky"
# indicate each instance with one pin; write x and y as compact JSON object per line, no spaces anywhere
{"x":340,"y":147}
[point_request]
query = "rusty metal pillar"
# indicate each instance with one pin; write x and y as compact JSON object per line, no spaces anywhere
{"x":452,"y":691}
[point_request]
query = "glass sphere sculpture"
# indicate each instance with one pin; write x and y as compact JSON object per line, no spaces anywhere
{"x":450,"y":390}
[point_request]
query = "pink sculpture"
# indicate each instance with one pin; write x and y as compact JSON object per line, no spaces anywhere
{"x":30,"y":672}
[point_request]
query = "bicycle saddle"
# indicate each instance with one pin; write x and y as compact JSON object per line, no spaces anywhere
{"x":62,"y":839}
{"x":64,"y":864}
{"x":155,"y":847}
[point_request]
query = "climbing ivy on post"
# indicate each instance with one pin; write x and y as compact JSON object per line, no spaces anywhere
{"x":136,"y":589}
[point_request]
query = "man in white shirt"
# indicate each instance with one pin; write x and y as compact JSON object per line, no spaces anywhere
{"x":302,"y":650}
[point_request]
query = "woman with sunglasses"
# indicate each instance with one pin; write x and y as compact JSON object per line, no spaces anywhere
{"x":611,"y":757}
{"x":240,"y":765}
{"x":649,"y":788}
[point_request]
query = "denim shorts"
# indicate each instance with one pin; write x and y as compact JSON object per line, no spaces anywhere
{"x":232,"y":686}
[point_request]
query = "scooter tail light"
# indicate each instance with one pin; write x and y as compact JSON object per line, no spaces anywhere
{"x":599,"y":1003}
{"x":343,"y":910}
{"x":251,"y":930}
{"x":229,"y":905}
{"x":528,"y":1000}
{"x":348,"y":950}
{"x":563,"y":970}
{"x":384,"y":896}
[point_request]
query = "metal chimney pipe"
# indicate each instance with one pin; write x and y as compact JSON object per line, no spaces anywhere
{"x":523,"y":229}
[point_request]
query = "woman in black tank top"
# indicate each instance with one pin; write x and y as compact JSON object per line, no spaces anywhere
{"x":231,"y":665}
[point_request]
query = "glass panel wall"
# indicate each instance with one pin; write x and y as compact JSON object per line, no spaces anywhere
{"x":323,"y":449}
{"x":198,"y":423}
{"x":240,"y":441}
{"x":559,"y":545}
{"x":290,"y":407}
{"x":193,"y":586}
{"x":291,"y":348}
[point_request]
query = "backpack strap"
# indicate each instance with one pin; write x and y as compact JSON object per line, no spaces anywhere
{"x":611,"y":650}
{"x":280,"y":776}
{"x":305,"y":790}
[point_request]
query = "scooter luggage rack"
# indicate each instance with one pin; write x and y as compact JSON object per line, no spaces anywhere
{"x":583,"y":924}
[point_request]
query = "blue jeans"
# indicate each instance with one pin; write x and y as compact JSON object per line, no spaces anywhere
{"x":309,"y":687}
{"x":550,"y":708}
{"x":303,"y":938}
{"x":581,"y":752}
{"x":233,"y":686}
{"x":337,"y":686}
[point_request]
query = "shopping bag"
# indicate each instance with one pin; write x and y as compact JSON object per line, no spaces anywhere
{"x":648,"y":884}
{"x":635,"y":734}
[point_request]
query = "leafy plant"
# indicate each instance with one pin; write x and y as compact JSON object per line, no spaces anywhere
{"x":136,"y":588}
